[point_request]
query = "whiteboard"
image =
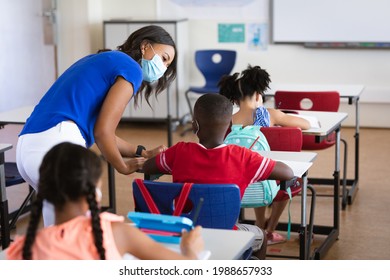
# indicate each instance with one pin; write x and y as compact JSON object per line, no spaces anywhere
{"x":348,"y":21}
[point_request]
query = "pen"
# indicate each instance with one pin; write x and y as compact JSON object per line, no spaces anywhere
{"x":254,"y":142}
{"x":197,"y":211}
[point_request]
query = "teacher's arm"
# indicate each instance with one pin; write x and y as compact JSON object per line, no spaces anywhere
{"x":112,"y":147}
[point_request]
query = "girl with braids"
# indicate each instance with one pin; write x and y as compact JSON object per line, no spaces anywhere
{"x":86,"y":103}
{"x":246,"y":89}
{"x":70,"y":179}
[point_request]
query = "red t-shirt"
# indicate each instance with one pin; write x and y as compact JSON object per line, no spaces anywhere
{"x":225,"y":164}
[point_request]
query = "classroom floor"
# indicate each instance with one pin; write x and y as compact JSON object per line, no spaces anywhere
{"x":364,"y":225}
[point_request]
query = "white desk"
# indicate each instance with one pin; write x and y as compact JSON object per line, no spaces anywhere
{"x":352,"y":93}
{"x":223,"y":244}
{"x":218,"y":241}
{"x":4,"y":222}
{"x":20,"y":115}
{"x":300,"y":162}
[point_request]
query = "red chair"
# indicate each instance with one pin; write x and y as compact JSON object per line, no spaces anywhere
{"x":328,"y":101}
{"x":283,"y":138}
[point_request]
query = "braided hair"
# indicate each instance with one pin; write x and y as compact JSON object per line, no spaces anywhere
{"x":238,"y":86}
{"x":68,"y":172}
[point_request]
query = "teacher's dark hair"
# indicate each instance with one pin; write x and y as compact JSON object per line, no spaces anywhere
{"x":132,"y":46}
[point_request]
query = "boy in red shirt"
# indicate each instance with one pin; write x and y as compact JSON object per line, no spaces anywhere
{"x":212,"y":161}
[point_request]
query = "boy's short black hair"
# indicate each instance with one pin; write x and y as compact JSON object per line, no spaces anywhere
{"x":214,"y":109}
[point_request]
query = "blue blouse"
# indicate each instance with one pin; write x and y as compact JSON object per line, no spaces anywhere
{"x":261,"y":117}
{"x":79,"y":92}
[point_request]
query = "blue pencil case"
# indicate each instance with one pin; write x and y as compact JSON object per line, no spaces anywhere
{"x":162,"y":228}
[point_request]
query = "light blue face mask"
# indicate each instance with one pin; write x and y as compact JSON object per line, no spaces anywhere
{"x":153,"y":69}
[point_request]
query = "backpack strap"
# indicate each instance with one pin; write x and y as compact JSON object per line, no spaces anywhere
{"x":185,"y":191}
{"x":147,"y":197}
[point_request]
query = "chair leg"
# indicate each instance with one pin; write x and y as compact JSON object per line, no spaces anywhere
{"x":243,"y":220}
{"x":183,"y":121}
{"x":22,"y":208}
{"x":189,"y":102}
{"x":241,"y":216}
{"x":345,"y":191}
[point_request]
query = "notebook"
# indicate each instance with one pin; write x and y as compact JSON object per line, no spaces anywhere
{"x":314,"y":122}
{"x":162,"y":228}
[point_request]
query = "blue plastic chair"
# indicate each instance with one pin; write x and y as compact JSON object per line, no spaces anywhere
{"x":213,"y":64}
{"x":220,"y":203}
{"x":220,"y":208}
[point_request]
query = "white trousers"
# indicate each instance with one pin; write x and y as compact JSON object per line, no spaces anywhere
{"x":30,"y":150}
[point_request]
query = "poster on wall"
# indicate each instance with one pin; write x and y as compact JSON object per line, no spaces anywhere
{"x":231,"y":33}
{"x":253,"y":34}
{"x":257,"y":36}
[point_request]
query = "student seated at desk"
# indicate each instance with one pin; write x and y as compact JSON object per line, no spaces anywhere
{"x":70,"y":178}
{"x":246,"y":89}
{"x":211,"y":161}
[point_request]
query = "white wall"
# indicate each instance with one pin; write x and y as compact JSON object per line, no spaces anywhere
{"x":80,"y":30}
{"x":100,"y":10}
{"x":285,"y":63}
{"x":73,"y":32}
{"x":26,"y":63}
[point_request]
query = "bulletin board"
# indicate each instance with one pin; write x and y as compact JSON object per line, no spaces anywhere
{"x":349,"y":21}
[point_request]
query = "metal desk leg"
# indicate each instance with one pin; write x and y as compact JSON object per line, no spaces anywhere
{"x":354,"y":184}
{"x":111,"y":189}
{"x":4,"y":222}
{"x":303,"y":246}
{"x":169,"y":118}
{"x":334,"y":233}
{"x":5,"y":230}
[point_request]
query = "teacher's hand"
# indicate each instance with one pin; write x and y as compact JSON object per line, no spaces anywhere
{"x":134,"y":164}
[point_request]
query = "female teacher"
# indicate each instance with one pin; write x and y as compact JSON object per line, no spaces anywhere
{"x":85,"y":104}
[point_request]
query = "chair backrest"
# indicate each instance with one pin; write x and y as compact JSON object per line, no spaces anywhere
{"x":308,"y":100}
{"x":213,"y":64}
{"x":283,"y":138}
{"x":220,"y":208}
{"x":12,"y":175}
{"x":311,"y":101}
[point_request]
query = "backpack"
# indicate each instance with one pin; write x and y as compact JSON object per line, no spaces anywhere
{"x":257,"y":194}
